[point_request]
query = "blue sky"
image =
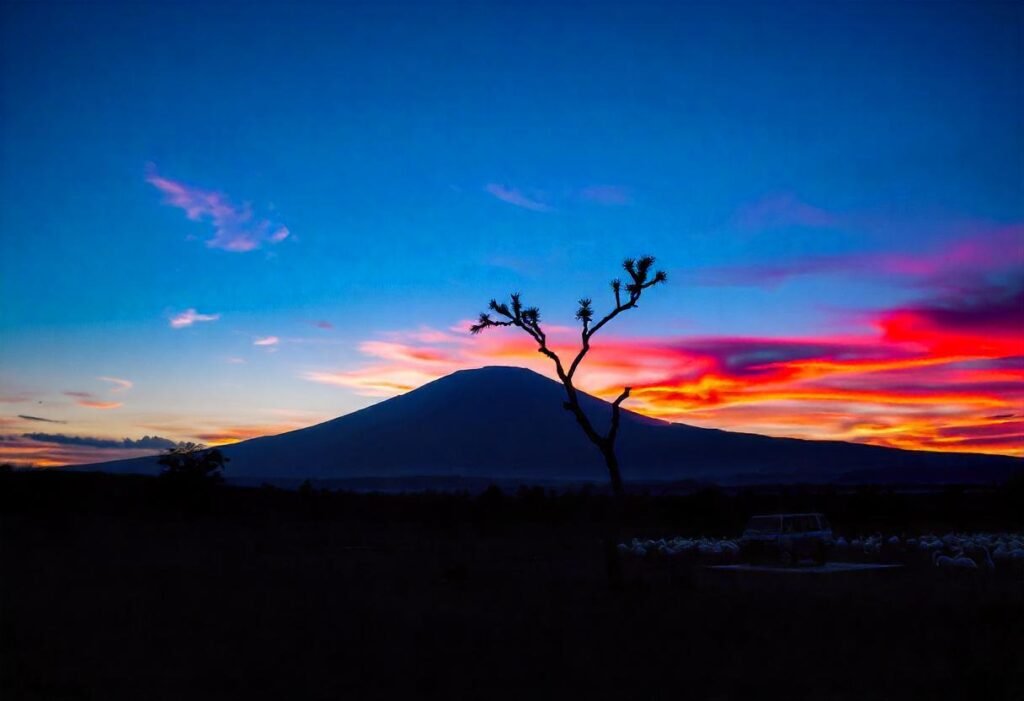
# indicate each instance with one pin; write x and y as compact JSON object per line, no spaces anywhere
{"x":427,"y":156}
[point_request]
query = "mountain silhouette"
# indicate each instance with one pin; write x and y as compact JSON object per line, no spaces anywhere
{"x":508,"y":424}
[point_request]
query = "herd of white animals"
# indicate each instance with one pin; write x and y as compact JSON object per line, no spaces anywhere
{"x":968,"y":551}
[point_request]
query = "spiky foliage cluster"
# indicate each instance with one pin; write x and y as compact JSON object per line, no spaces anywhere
{"x":514,"y":314}
{"x":511,"y":314}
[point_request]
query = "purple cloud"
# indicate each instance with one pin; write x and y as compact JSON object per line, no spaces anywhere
{"x":235,"y":228}
{"x":958,"y":266}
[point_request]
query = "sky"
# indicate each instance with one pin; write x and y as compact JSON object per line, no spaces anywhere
{"x":225,"y":220}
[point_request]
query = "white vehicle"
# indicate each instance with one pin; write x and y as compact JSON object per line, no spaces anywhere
{"x":789,"y":538}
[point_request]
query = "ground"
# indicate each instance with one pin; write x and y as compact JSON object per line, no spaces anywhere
{"x":272,"y":595}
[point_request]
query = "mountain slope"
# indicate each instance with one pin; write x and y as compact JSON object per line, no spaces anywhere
{"x":508,"y":423}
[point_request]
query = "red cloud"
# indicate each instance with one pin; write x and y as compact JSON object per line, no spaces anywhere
{"x":990,"y":321}
{"x":942,"y":375}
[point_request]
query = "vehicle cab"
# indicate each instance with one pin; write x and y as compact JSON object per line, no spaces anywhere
{"x":789,"y":538}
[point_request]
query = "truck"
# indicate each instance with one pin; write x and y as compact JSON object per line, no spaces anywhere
{"x":786,"y":538}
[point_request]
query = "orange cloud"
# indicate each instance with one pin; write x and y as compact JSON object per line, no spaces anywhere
{"x":932,"y":378}
{"x":88,"y":400}
{"x":234,"y":434}
{"x":95,"y":404}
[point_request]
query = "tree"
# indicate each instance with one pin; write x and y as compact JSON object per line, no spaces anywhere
{"x":641,"y":277}
{"x":193,"y":464}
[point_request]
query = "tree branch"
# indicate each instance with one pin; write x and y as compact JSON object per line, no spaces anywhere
{"x":528,"y":319}
{"x":613,"y":430}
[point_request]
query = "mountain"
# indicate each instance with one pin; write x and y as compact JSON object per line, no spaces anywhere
{"x":508,"y":424}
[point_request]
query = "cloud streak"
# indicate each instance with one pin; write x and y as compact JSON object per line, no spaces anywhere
{"x":144,"y":443}
{"x":189,"y":317}
{"x":515,"y":197}
{"x":40,"y":418}
{"x":88,"y":400}
{"x":119,"y":384}
{"x":983,"y":252}
{"x":235,"y":227}
{"x":781,"y":211}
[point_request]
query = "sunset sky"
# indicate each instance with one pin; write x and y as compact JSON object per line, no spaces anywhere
{"x":225,"y":220}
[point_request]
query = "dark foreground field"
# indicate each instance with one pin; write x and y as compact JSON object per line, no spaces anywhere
{"x":112,"y":589}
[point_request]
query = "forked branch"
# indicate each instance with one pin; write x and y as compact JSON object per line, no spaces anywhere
{"x":528,"y":319}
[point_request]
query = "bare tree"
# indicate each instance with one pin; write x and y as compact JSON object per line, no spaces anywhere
{"x":514,"y":313}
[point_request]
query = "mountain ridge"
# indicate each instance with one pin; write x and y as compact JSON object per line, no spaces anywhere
{"x":508,"y":423}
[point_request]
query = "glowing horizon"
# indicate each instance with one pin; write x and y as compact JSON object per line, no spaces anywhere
{"x":201,"y":248}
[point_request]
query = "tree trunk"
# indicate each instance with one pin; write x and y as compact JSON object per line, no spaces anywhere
{"x":612,"y":522}
{"x":612,"y":462}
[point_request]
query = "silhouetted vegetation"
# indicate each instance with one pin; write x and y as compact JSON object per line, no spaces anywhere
{"x":190,"y":474}
{"x":109,"y":588}
{"x":641,"y":277}
{"x":193,"y":464}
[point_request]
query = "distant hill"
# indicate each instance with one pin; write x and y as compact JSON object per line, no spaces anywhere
{"x":507,"y":424}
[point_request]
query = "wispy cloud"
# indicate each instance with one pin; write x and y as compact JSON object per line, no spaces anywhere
{"x":609,"y":195}
{"x":40,"y":418}
{"x":781,"y":211}
{"x":146,"y":442}
{"x":322,"y":324}
{"x":119,"y":384}
{"x":189,"y":317}
{"x":234,"y":434}
{"x":235,"y":227}
{"x":266,"y":341}
{"x":516,"y":197}
{"x":982,"y":252}
{"x":95,"y":404}
{"x":88,"y":400}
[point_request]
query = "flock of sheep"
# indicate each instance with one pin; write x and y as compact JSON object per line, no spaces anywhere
{"x":990,"y":552}
{"x":678,"y":546}
{"x":985,"y":551}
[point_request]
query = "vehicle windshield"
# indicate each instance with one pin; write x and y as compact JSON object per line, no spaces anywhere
{"x":764,"y":524}
{"x":800,"y":524}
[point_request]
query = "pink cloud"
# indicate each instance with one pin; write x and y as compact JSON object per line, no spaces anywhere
{"x":189,"y":317}
{"x":88,"y":400}
{"x":119,"y":384}
{"x":266,"y":341}
{"x":517,"y":198}
{"x":235,"y":228}
{"x":949,"y":266}
{"x":323,"y":324}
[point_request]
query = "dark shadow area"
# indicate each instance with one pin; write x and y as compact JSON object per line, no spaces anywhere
{"x":112,"y":589}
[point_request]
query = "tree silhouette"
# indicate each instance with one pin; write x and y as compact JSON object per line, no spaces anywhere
{"x":641,"y":277}
{"x":193,"y":464}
